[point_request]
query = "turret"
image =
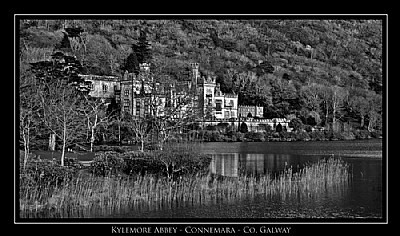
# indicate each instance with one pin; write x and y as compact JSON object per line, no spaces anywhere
{"x":145,"y":67}
{"x":210,"y":80}
{"x":195,"y":73}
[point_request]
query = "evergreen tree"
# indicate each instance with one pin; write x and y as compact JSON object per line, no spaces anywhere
{"x":131,"y":63}
{"x":279,"y":128}
{"x":141,"y":53}
{"x":142,"y":49}
{"x":65,"y":44}
{"x":62,"y":67}
{"x":243,"y":128}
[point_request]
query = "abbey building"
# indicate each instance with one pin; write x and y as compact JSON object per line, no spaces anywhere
{"x":198,"y":96}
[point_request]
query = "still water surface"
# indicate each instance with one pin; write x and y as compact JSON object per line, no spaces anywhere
{"x":362,"y":197}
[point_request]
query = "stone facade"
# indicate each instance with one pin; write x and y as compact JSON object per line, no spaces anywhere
{"x":132,"y":91}
{"x":212,"y":102}
{"x":251,"y":111}
{"x":140,"y":95}
{"x":102,"y":86}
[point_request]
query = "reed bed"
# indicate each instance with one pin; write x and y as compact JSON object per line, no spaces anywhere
{"x":91,"y":196}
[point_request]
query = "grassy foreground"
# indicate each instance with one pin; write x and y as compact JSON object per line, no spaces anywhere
{"x":92,"y":196}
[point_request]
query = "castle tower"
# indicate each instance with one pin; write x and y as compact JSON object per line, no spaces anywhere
{"x":195,"y":73}
{"x":145,"y":67}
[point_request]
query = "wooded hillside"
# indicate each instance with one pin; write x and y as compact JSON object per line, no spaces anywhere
{"x":319,"y":71}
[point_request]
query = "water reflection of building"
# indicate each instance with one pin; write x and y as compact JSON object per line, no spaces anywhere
{"x":277,"y":162}
{"x":225,"y":164}
{"x":254,"y":164}
{"x":234,"y":164}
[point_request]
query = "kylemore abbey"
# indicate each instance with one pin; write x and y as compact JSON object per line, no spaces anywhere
{"x":139,"y":95}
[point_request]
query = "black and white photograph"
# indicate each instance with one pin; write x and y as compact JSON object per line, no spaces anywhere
{"x":212,"y":119}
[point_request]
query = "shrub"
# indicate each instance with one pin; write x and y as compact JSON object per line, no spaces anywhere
{"x":212,"y":136}
{"x":287,"y":136}
{"x":332,"y":135}
{"x":72,"y":162}
{"x":275,"y":135}
{"x":317,"y":135}
{"x":141,"y":163}
{"x":172,"y":162}
{"x":308,"y":128}
{"x":302,"y":136}
{"x":107,"y":163}
{"x":268,"y":135}
{"x":296,"y":124}
{"x":46,"y":173}
{"x":348,"y":136}
{"x":255,"y":136}
{"x":232,"y":136}
{"x":216,"y":136}
{"x":177,"y":161}
{"x":239,"y":137}
{"x":361,"y":134}
{"x":207,"y":135}
{"x":193,"y":135}
{"x":211,"y":127}
{"x":222,"y":126}
{"x":376,"y":133}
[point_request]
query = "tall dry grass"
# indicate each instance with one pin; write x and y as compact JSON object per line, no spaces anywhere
{"x":91,"y":196}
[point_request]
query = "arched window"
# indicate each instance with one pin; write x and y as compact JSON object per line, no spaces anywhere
{"x":105,"y":88}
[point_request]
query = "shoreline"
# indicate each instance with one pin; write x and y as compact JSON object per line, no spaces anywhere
{"x":86,"y":158}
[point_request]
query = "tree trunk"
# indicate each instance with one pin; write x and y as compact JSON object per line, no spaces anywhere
{"x":92,"y":139}
{"x":88,"y":128}
{"x":26,"y":146}
{"x":334,"y":111}
{"x":326,"y":113}
{"x":370,"y":127}
{"x":371,"y":124}
{"x":92,"y":133}
{"x":362,"y":121}
{"x":119,"y":133}
{"x":52,"y":142}
{"x":64,"y":143}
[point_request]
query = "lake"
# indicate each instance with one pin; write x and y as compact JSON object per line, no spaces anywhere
{"x":362,"y":198}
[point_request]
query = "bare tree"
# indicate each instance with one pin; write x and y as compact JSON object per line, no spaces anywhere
{"x":325,"y":94}
{"x":339,"y":95}
{"x":374,"y":113}
{"x":60,"y":112}
{"x":28,"y":108}
{"x":140,"y":128}
{"x":169,"y":120}
{"x":119,"y":120}
{"x":94,"y":110}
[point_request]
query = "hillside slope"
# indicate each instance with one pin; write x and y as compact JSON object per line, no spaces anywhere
{"x":303,"y":68}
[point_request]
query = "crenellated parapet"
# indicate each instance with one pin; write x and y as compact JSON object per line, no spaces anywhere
{"x":246,"y":106}
{"x":210,"y":80}
{"x":145,"y":67}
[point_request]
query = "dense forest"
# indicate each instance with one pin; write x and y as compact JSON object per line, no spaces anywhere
{"x":315,"y":72}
